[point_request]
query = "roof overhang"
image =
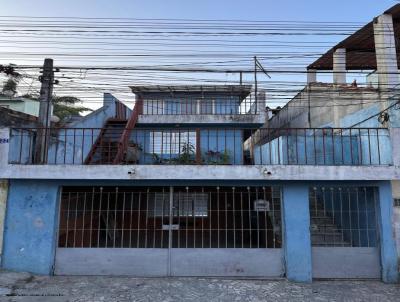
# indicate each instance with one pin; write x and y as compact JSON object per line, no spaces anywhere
{"x":235,"y":90}
{"x":360,"y":47}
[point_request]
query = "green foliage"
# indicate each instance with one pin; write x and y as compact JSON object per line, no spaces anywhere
{"x":10,"y":86}
{"x":217,"y":158}
{"x":65,"y":106}
{"x":186,"y":157}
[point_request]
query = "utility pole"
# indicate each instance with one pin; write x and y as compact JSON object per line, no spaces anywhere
{"x":45,"y":112}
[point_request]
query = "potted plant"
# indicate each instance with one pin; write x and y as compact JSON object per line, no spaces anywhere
{"x":133,"y":153}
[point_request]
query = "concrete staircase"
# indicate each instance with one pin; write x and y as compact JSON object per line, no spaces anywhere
{"x":324,"y":231}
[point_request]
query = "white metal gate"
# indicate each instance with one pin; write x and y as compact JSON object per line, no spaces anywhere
{"x":344,"y":232}
{"x":170,"y":231}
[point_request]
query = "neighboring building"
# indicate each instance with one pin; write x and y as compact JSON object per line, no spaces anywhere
{"x":343,"y":105}
{"x":20,"y":104}
{"x":190,"y":183}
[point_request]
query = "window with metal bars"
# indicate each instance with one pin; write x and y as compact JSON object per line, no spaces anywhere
{"x":171,"y":142}
{"x":184,"y":204}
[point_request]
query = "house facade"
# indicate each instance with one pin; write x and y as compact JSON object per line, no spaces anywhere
{"x":190,"y":183}
{"x":373,"y":103}
{"x":196,"y":181}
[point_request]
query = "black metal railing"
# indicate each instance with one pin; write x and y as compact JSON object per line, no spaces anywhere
{"x":207,"y":146}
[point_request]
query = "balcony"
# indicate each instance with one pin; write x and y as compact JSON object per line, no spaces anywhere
{"x":206,"y":146}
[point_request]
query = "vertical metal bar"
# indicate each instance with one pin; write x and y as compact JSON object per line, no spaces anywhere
{"x":369,"y":148}
{"x":210,"y":228}
{"x":350,"y":222}
{"x":55,"y":152}
{"x":287,"y":147}
{"x":68,"y":213}
{"x":341,"y":213}
{"x":91,"y":218}
{"x":147,"y":217}
{"x":241,"y":217}
{"x":323,"y":146}
{"x":194,"y":220}
{"x":234,"y":147}
{"x":177,"y":214}
{"x":107,"y":217}
{"x":186,"y":211}
{"x":20,"y":146}
{"x":270,"y":147}
{"x":115,"y":216}
{"x":218,"y":206}
{"x":73,"y":148}
{"x":351,"y":147}
{"x":123,"y":220}
{"x":315,"y":148}
{"x":65,"y":144}
{"x":162,"y":220}
{"x":154,"y":220}
{"x":366,"y":215}
{"x":99,"y":222}
{"x":297,"y":146}
{"x":266,"y":217}
{"x":233,"y":217}
{"x":76,"y":217}
{"x":305,"y":146}
{"x":249,"y":213}
{"x":226,"y":220}
{"x":198,"y":146}
{"x":171,"y":200}
{"x":341,"y":138}
{"x":130,"y":221}
{"x":258,"y":222}
{"x":333,"y":147}
{"x":83,"y":218}
{"x":378,"y":144}
{"x":139,"y":216}
{"x":358,"y":217}
{"x":360,"y":151}
{"x":83,"y":145}
{"x":30,"y":147}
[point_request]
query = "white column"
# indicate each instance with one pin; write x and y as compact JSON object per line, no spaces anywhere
{"x":311,"y":76}
{"x":339,"y":66}
{"x":385,"y":49}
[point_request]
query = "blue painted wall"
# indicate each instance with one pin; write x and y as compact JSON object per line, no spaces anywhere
{"x":32,"y":219}
{"x":297,"y":241}
{"x":21,"y":146}
{"x":360,"y":147}
{"x":30,"y":226}
{"x":73,"y":145}
{"x":389,"y":260}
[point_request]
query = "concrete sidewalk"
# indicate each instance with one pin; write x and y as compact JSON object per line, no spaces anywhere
{"x":26,"y":287}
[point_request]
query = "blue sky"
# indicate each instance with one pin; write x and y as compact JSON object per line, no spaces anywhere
{"x":309,"y":10}
{"x":357,"y":11}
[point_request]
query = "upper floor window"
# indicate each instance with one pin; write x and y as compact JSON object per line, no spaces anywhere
{"x":171,"y":142}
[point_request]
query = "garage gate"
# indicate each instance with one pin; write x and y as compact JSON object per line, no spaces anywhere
{"x":344,"y":232}
{"x":170,"y":231}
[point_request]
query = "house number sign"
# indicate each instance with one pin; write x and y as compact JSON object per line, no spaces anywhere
{"x":4,"y":140}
